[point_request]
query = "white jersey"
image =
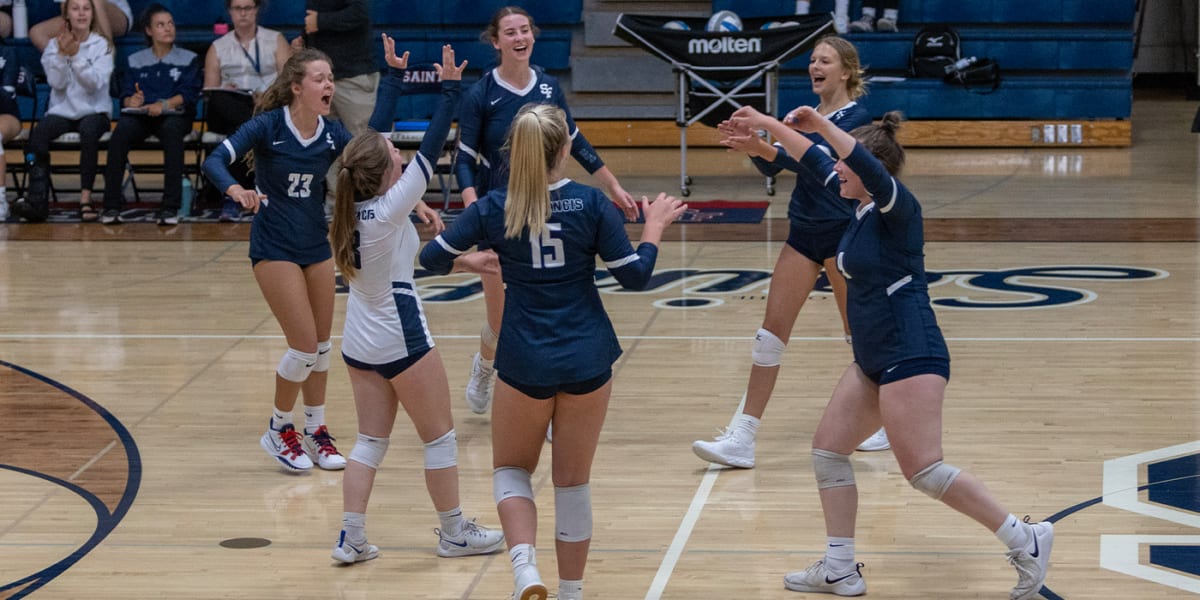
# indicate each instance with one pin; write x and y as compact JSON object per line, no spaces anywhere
{"x":384,"y":318}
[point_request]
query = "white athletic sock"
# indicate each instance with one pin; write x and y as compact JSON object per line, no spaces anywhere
{"x":314,"y":418}
{"x":747,"y":425}
{"x":521,"y":555}
{"x":570,"y":589}
{"x":802,"y":7}
{"x":452,"y":521}
{"x":891,"y":13}
{"x":1014,"y":533}
{"x":868,"y":12}
{"x":486,"y":363}
{"x":355,"y":526}
{"x":839,"y":555}
{"x":280,"y":418}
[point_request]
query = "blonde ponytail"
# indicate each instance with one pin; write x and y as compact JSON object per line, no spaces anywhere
{"x":535,"y":143}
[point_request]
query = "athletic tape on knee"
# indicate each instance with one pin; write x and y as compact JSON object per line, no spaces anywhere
{"x":324,"y":356}
{"x":573,"y":513}
{"x":832,"y":469}
{"x":442,"y":453}
{"x":935,"y":479}
{"x":511,"y":482}
{"x":488,"y":336}
{"x":768,"y":349}
{"x":369,"y":451}
{"x":296,"y":365}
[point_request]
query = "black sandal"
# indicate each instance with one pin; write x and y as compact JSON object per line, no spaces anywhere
{"x":88,"y":213}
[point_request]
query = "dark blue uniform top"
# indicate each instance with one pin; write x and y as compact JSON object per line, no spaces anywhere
{"x":487,"y":111}
{"x":555,"y":329}
{"x":812,"y":207}
{"x":290,"y":224}
{"x":881,"y":255}
{"x":177,"y":73}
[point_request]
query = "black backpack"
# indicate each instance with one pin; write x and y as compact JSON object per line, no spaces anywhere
{"x":936,"y":47}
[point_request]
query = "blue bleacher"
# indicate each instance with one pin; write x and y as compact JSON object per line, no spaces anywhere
{"x":1058,"y":58}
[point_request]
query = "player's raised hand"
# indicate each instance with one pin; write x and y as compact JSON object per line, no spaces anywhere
{"x":447,"y":70}
{"x":804,"y":118}
{"x":664,"y":210}
{"x":389,"y":53}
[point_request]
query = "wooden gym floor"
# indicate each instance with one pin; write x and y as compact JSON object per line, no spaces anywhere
{"x":136,"y":375}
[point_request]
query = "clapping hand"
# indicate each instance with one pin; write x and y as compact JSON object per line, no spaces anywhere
{"x":804,"y":118}
{"x":389,"y":54}
{"x":447,"y":70}
{"x":67,"y":44}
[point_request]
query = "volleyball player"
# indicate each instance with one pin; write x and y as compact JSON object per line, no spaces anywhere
{"x":816,"y":219}
{"x":557,"y":345}
{"x":293,"y":145}
{"x":386,"y":345}
{"x":487,"y":111}
{"x":901,"y":362}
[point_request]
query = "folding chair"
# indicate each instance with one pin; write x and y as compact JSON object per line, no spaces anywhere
{"x":720,"y":71}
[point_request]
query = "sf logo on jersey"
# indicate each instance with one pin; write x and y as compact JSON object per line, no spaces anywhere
{"x":546,"y":90}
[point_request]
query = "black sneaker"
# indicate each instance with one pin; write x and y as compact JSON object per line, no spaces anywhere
{"x":110,"y":216}
{"x":166,"y":218}
{"x":31,"y":210}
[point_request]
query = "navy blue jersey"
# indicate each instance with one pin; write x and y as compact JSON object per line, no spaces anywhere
{"x":555,"y":329}
{"x":812,"y":208}
{"x":882,"y":257}
{"x":177,"y":73}
{"x":487,"y":111}
{"x":290,"y":171}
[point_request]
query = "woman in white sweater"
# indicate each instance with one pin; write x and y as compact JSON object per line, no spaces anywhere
{"x":78,"y":64}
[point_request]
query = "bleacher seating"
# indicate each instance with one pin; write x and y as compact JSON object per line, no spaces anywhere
{"x":1059,"y":59}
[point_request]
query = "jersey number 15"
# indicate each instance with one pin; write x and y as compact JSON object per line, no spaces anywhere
{"x":547,"y":251}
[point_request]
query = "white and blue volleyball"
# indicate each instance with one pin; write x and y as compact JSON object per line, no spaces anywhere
{"x":676,"y":25}
{"x":725,"y":21}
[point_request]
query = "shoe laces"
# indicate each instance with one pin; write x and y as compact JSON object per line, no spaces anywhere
{"x":730,"y":433}
{"x":291,"y":441}
{"x":324,"y":441}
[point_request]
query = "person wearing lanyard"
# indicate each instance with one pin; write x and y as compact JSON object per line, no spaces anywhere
{"x":244,"y":61}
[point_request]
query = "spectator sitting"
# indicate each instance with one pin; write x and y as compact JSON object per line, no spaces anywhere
{"x":113,"y":17}
{"x":10,"y":116}
{"x":878,"y":15}
{"x":78,"y":65}
{"x":245,"y":59}
{"x":158,"y":98}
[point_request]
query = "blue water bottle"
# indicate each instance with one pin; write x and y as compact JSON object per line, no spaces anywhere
{"x":185,"y":205}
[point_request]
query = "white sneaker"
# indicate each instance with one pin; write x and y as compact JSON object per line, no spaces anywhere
{"x":284,"y":446}
{"x":816,"y":578}
{"x":320,"y":449}
{"x":885,"y":24}
{"x":473,"y":539}
{"x":479,"y":386}
{"x":864,"y":24}
{"x":878,"y":441}
{"x":527,"y":584}
{"x":348,"y":553}
{"x":1033,"y":561}
{"x":729,"y":449}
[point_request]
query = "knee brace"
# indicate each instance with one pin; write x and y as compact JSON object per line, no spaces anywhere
{"x":935,"y":479}
{"x":442,"y":453}
{"x":369,"y":451}
{"x":324,"y":354}
{"x":832,"y":469}
{"x":573,"y":513}
{"x":768,"y":349}
{"x":488,"y":336}
{"x":511,"y":482}
{"x":296,"y":365}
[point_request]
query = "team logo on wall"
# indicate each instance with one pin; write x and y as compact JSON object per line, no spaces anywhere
{"x":1017,"y":288}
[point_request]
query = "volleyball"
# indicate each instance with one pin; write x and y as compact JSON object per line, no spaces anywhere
{"x":725,"y":20}
{"x":676,"y":25}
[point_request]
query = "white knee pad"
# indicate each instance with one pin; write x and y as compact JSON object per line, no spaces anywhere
{"x":832,"y":469}
{"x":324,"y":356}
{"x":935,"y":479}
{"x":573,"y":513}
{"x":369,"y":451}
{"x":442,"y":453}
{"x":511,"y":482}
{"x":488,"y":336}
{"x":768,"y":349}
{"x":296,"y":365}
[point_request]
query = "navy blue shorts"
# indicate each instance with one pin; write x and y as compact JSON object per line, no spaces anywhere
{"x":546,"y":392}
{"x":391,"y":369}
{"x":814,"y":246}
{"x":911,"y":368}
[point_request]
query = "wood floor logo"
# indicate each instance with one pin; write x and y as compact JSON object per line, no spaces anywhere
{"x":1015,"y":288}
